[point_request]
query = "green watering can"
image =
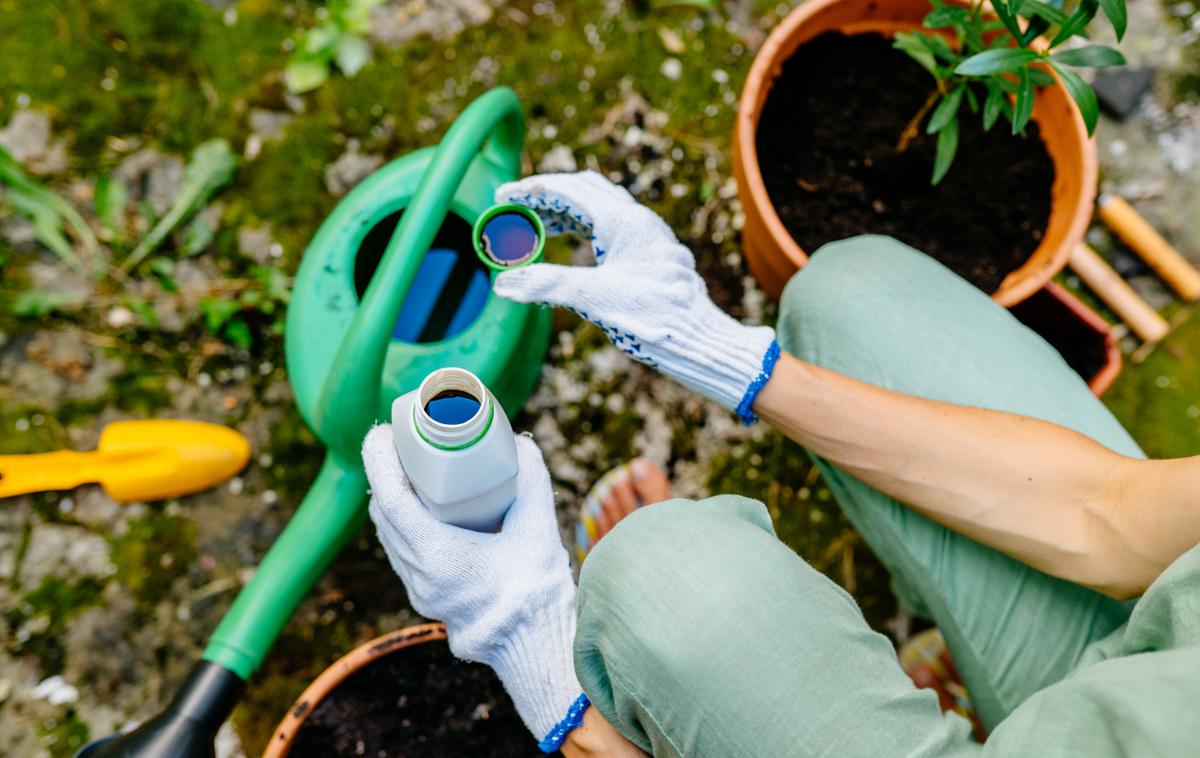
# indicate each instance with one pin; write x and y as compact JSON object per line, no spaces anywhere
{"x":389,"y":290}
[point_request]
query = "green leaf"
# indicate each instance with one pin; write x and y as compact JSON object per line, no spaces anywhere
{"x":217,"y":311}
{"x":305,"y":74}
{"x":47,"y":227}
{"x":1034,"y":29}
{"x":1082,"y":16}
{"x":914,"y":45}
{"x":111,"y":195}
{"x":48,"y":213}
{"x":352,"y":54}
{"x":1115,"y":10}
{"x":198,"y":235}
{"x":274,"y":283}
{"x":1081,"y":93}
{"x":164,"y":270}
{"x":238,"y":332}
{"x":38,"y":303}
{"x":941,"y":48}
{"x":1090,"y":56}
{"x":1007,"y":17}
{"x":1044,"y":11}
{"x":321,"y":41}
{"x":947,"y":146}
{"x":357,"y":15}
{"x":995,"y":61}
{"x":946,"y":110}
{"x":971,"y":100}
{"x":993,"y":106}
{"x":1040,"y":78}
{"x":211,"y":167}
{"x":143,"y":310}
{"x":946,"y":15}
{"x":1023,"y":108}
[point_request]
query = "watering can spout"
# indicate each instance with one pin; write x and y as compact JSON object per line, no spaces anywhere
{"x":188,"y":726}
{"x":491,"y":126}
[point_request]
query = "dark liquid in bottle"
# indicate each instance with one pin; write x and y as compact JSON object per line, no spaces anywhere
{"x":509,"y":238}
{"x":452,"y":407}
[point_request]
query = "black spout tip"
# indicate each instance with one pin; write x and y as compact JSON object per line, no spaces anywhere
{"x":188,"y":726}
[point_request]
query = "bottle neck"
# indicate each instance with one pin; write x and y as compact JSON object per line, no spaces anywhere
{"x":453,"y":436}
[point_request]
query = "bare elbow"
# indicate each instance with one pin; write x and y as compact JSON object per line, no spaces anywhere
{"x":1120,"y":590}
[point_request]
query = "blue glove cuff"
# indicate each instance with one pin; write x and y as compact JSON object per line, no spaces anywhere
{"x":745,"y":409}
{"x":574,"y":718}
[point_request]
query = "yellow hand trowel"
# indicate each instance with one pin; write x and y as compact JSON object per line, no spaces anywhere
{"x":135,"y":461}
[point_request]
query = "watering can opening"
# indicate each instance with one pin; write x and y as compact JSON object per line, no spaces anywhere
{"x":451,"y":286}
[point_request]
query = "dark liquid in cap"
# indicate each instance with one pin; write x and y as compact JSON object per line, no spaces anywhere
{"x":509,"y":238}
{"x":452,"y":407}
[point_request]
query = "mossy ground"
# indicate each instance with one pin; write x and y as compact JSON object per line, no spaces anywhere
{"x":116,"y":77}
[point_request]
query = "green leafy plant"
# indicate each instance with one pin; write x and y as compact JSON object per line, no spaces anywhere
{"x":39,"y":303}
{"x":48,"y":212}
{"x":210,"y":168}
{"x":229,"y":316}
{"x":994,"y":63}
{"x":337,"y":40}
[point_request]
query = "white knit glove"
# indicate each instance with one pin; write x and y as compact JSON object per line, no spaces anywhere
{"x":507,"y":599}
{"x":644,"y":291}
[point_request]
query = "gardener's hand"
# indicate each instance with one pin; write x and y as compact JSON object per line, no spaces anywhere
{"x":507,"y":599}
{"x":644,"y":291}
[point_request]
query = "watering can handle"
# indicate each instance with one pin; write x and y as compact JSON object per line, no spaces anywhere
{"x":492,"y":125}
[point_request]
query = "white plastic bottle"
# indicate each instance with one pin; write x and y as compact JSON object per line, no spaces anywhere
{"x":457,"y":448}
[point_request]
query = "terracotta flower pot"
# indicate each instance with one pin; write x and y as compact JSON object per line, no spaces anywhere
{"x":771,"y":252}
{"x":1067,"y":324}
{"x":329,"y":679}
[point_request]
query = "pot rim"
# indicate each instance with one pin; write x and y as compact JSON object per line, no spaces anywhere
{"x":1102,"y":379}
{"x":1017,"y":285}
{"x":281,"y":741}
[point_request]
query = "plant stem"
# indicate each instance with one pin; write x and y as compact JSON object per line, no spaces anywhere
{"x":913,"y":129}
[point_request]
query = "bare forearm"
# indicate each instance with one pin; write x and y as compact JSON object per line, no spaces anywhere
{"x":596,"y":738}
{"x":1046,"y":495}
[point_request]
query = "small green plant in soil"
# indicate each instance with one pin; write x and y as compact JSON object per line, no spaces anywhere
{"x":211,"y":167}
{"x":995,"y":64}
{"x":337,"y":40}
{"x":48,"y":212}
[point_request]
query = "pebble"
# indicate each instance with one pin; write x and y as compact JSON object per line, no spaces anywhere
{"x":559,"y":158}
{"x":350,"y":168}
{"x":55,"y":691}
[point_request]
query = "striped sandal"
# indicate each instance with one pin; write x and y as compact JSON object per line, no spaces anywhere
{"x":617,"y":494}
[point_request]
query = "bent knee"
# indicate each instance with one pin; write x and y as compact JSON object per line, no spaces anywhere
{"x":662,"y":573}
{"x":861,"y":295}
{"x":655,"y":538}
{"x":841,"y":275}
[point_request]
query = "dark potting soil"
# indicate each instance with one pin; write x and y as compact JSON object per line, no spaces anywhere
{"x":827,"y":143}
{"x":418,"y":702}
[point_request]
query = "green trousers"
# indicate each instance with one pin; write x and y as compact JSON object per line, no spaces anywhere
{"x":700,"y":634}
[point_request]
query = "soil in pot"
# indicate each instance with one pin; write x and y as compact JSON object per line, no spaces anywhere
{"x":827,"y":146}
{"x":416,"y":702}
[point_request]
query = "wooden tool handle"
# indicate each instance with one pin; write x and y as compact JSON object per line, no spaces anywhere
{"x":42,"y":472}
{"x":1144,"y":240}
{"x":1116,"y":292}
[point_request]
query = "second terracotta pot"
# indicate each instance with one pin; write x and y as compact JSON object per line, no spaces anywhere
{"x":1073,"y":329}
{"x":329,"y":679}
{"x":772,"y":254}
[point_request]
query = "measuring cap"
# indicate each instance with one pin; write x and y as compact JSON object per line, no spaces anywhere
{"x":508,"y":236}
